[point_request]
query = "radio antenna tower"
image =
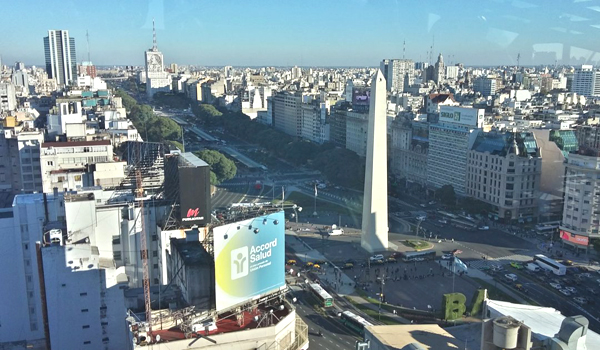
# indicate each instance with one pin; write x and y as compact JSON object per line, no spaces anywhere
{"x":154,"y":46}
{"x":404,"y":50}
{"x":518,"y":59}
{"x":87,"y":37}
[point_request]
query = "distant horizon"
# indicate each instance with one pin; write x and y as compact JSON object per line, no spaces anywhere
{"x":311,"y":33}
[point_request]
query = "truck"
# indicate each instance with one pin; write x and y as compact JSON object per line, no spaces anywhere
{"x":532,"y":267}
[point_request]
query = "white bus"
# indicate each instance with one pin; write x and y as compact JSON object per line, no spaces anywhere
{"x":548,"y":264}
{"x":547,"y":227}
{"x":355,"y":322}
{"x":324,"y":298}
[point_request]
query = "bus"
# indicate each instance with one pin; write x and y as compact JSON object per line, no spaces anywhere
{"x":417,"y":256}
{"x":355,"y":322}
{"x":547,"y":228}
{"x":324,"y":298}
{"x":551,"y":265}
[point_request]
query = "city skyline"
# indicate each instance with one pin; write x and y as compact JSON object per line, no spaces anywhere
{"x":352,"y":33}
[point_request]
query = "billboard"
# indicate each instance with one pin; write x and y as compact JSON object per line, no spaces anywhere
{"x":194,"y":195}
{"x":462,"y":115}
{"x":249,"y":259}
{"x":361,"y":97}
{"x":573,"y":238}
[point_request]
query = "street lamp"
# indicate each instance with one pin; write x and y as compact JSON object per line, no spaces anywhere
{"x":381,"y":296}
{"x":296,"y":210}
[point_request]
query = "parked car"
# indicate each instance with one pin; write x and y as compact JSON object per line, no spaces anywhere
{"x":571,"y":289}
{"x":580,"y":300}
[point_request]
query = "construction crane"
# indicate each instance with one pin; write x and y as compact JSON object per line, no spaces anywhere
{"x":144,"y":244}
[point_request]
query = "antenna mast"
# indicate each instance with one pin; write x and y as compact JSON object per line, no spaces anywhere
{"x":87,"y":37}
{"x":143,"y":242}
{"x":404,"y":50}
{"x":154,"y":47}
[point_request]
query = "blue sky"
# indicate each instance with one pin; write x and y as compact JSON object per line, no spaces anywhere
{"x":309,"y":33}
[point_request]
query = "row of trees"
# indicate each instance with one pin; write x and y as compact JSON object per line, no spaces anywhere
{"x":339,"y":165}
{"x":221,"y":167}
{"x":153,"y":128}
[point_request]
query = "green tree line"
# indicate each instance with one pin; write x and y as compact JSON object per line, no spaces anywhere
{"x":153,"y":128}
{"x":339,"y":165}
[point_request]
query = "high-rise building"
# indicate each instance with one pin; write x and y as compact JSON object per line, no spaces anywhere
{"x":399,"y":74}
{"x":374,"y":235}
{"x":61,"y":61}
{"x":504,"y":170}
{"x":449,"y":142}
{"x":580,"y":212}
{"x":485,"y":85}
{"x":156,"y":78}
{"x":586,"y":81}
{"x":439,"y":70}
{"x":287,"y":113}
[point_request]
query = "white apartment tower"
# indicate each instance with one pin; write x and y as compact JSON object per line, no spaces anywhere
{"x":581,"y":216}
{"x":586,"y":81}
{"x":398,"y":73}
{"x":61,"y":61}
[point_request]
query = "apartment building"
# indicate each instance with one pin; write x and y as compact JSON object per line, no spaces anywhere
{"x":504,"y":170}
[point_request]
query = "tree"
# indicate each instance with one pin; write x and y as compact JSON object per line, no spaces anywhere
{"x":446,"y":195}
{"x":222,"y":167}
{"x":475,"y":206}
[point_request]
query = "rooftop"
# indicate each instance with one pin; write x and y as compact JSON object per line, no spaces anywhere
{"x":192,"y":252}
{"x":76,"y":143}
{"x":544,"y":322}
{"x":427,"y":335}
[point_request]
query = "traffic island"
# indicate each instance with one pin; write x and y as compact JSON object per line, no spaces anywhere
{"x":417,"y":245}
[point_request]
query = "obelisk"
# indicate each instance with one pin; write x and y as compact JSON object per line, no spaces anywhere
{"x":374,"y":236}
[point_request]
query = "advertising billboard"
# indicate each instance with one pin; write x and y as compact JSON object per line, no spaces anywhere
{"x":361,"y":97}
{"x":462,"y":115}
{"x":573,"y":238}
{"x":249,"y":259}
{"x":194,"y":195}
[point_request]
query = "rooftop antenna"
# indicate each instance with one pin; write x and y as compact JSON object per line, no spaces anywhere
{"x":154,"y":47}
{"x":87,"y":37}
{"x":518,"y":59}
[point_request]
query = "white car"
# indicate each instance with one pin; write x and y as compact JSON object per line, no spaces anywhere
{"x":565,"y":292}
{"x":555,"y":286}
{"x":580,"y":300}
{"x":421,"y":217}
{"x":484,"y":228}
{"x":443,"y":221}
{"x":376,"y":257}
{"x":447,"y":256}
{"x":511,"y":277}
{"x":571,"y":290}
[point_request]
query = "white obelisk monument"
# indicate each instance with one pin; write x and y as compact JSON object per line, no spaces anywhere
{"x":374,"y":236}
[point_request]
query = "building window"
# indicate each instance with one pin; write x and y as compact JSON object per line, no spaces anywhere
{"x":84,"y":310}
{"x":117,"y":255}
{"x":85,"y":326}
{"x":82,"y":294}
{"x":87,"y":342}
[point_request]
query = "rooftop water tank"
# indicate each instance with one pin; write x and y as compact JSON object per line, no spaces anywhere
{"x":506,"y":331}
